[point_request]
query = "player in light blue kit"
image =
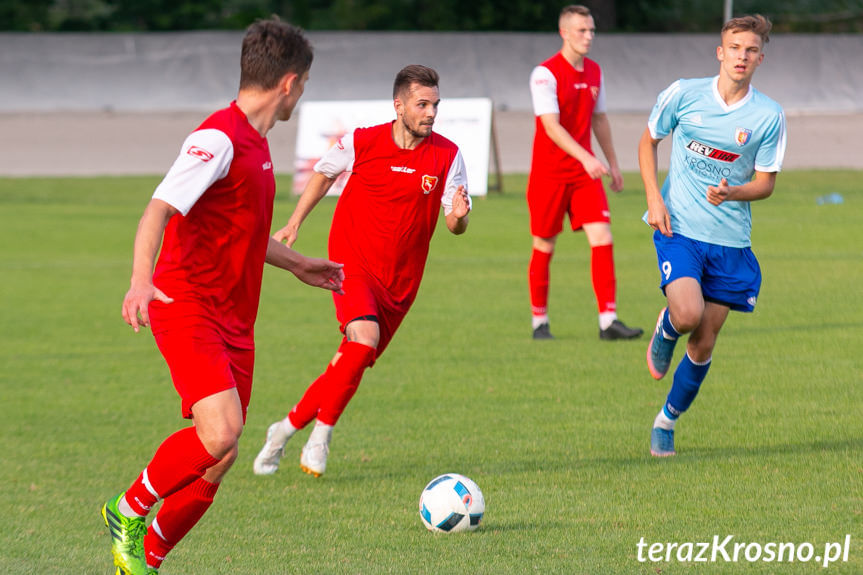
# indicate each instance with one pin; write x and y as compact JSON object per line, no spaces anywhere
{"x":724,"y":131}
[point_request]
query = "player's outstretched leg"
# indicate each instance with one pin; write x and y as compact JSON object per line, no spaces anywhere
{"x":661,"y":347}
{"x":127,"y":538}
{"x":267,"y":461}
{"x":687,"y":381}
{"x":314,"y":457}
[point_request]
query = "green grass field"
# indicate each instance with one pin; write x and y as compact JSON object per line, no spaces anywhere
{"x":556,"y":433}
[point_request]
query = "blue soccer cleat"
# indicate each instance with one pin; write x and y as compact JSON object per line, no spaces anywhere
{"x":662,"y":442}
{"x":659,"y":351}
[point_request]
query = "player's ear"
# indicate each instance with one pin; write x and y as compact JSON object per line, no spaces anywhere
{"x":399,"y":106}
{"x":288,"y":82}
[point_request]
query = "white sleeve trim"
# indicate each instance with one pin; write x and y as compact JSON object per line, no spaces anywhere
{"x":543,"y":91}
{"x":662,"y":102}
{"x":340,"y":158}
{"x":776,"y":166}
{"x":456,"y":176}
{"x":600,"y":107}
{"x":205,"y":158}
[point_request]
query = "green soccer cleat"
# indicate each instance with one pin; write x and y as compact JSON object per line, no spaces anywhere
{"x":127,"y":539}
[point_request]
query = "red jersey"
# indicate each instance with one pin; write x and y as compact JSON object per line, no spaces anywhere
{"x":578,"y":95}
{"x":213,"y":252}
{"x":389,"y":208}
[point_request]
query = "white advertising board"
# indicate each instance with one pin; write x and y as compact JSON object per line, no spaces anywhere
{"x":465,"y":121}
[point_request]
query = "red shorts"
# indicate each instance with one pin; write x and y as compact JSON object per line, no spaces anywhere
{"x":548,"y":200}
{"x":364,"y":297}
{"x":202,"y":364}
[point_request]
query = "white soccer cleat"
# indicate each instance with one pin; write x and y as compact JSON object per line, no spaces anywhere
{"x":267,"y":461}
{"x":314,"y":457}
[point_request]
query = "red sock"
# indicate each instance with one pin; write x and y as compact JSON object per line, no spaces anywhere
{"x":538,"y":277}
{"x":307,"y":408}
{"x":602,"y":272}
{"x":180,"y":460}
{"x":178,"y":514}
{"x":333,"y":389}
{"x":343,"y":379}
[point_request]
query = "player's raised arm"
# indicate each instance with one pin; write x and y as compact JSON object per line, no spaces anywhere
{"x":147,"y":241}
{"x":316,"y":272}
{"x":457,"y":220}
{"x":317,"y":188}
{"x":759,"y":188}
{"x":456,"y":199}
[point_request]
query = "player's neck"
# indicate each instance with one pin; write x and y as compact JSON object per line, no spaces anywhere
{"x":575,"y":59}
{"x":260,"y":111}
{"x":403,"y":138}
{"x":732,"y":91}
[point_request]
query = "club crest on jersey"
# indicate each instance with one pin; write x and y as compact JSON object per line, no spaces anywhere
{"x":199,"y":153}
{"x":594,"y":91}
{"x":742,"y":136}
{"x":429,"y":184}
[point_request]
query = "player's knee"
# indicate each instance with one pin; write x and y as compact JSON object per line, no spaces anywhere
{"x":220,"y":442}
{"x":545,"y":245}
{"x":686,"y":318}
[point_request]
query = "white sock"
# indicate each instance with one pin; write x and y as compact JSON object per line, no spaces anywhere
{"x":321,"y":433}
{"x":124,"y":508}
{"x":287,"y":428}
{"x":663,"y":421}
{"x":606,"y":318}
{"x":538,"y":320}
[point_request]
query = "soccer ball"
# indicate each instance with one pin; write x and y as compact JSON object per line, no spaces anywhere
{"x":450,"y":503}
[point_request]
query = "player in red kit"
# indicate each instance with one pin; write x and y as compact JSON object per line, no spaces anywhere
{"x":569,"y":102}
{"x":212,"y":215}
{"x":401,"y":173}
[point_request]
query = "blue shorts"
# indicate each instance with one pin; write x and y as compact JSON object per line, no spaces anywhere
{"x":728,"y":276}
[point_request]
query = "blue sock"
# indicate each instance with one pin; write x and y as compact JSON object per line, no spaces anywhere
{"x":667,"y":327}
{"x":687,"y":381}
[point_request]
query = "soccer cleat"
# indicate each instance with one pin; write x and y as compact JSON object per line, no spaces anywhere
{"x":127,"y":539}
{"x":150,"y":571}
{"x":314,"y":457}
{"x":659,"y":351}
{"x":662,"y":442}
{"x":619,"y":330}
{"x":267,"y":461}
{"x":542,"y":332}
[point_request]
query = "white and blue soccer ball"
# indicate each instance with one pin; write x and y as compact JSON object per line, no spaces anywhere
{"x":450,"y":503}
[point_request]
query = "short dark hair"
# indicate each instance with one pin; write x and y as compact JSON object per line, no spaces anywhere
{"x":575,"y":9}
{"x":755,"y":23}
{"x":271,"y":49}
{"x":414,"y":74}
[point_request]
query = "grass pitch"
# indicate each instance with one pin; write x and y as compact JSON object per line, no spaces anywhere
{"x":555,"y":433}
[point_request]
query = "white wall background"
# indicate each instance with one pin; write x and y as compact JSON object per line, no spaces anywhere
{"x":200,"y":70}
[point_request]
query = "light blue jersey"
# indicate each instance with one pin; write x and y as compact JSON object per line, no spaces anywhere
{"x":711,"y":141}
